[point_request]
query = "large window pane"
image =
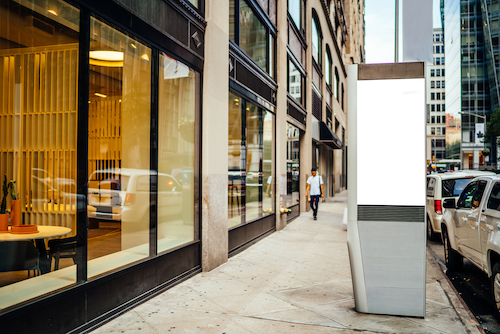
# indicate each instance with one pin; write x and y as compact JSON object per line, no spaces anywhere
{"x":251,"y":181}
{"x":328,"y":69}
{"x":295,"y":12}
{"x":253,"y":201}
{"x":295,"y":87}
{"x":267,"y":164}
{"x":253,"y":35}
{"x":316,"y":41}
{"x":38,"y":127}
{"x":236,"y":170}
{"x":292,"y":164}
{"x":118,"y":157}
{"x":177,"y":110}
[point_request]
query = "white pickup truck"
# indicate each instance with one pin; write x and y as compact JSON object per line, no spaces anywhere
{"x":471,"y":229}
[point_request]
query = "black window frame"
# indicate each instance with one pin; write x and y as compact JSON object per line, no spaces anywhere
{"x":316,"y":22}
{"x":271,"y":33}
{"x":86,"y":13}
{"x":298,"y":66}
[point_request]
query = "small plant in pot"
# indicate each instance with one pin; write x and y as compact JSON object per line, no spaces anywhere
{"x":4,"y":216}
{"x":15,"y":214}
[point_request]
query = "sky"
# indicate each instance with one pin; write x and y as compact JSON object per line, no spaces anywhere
{"x":379,"y":29}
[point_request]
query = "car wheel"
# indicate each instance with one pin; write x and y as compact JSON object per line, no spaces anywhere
{"x":452,"y":259}
{"x":495,"y":285}
{"x":431,"y":235}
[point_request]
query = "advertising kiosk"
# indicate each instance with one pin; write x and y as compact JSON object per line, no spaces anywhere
{"x":386,"y":232}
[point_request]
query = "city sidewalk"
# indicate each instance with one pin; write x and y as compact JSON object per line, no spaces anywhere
{"x":294,"y":281}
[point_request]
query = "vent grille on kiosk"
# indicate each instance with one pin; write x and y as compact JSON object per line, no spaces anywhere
{"x":391,"y":213}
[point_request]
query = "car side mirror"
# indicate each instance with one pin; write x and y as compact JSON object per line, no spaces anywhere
{"x":449,"y":203}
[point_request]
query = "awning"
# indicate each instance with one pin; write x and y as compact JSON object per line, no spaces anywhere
{"x":328,"y":137}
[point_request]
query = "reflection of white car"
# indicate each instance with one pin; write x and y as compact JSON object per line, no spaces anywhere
{"x":440,"y":187}
{"x":44,"y":188}
{"x":62,"y":184}
{"x":124,"y":194}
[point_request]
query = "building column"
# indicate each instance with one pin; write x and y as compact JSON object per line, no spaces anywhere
{"x":306,"y":149}
{"x":281,"y":112}
{"x":214,"y":224}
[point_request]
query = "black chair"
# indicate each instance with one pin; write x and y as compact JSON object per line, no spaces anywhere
{"x":62,"y":248}
{"x":19,"y":255}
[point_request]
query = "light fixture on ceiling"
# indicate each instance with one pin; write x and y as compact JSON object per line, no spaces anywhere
{"x":106,"y":58}
{"x":145,"y":57}
{"x":53,"y":12}
{"x":100,"y":95}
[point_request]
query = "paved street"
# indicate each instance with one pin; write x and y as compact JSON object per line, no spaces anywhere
{"x":473,"y":285}
{"x":294,"y":281}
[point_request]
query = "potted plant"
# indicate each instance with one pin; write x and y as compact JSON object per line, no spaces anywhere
{"x":4,"y":216}
{"x":15,"y":214}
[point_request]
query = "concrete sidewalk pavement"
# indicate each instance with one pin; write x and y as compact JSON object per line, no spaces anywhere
{"x":294,"y":281}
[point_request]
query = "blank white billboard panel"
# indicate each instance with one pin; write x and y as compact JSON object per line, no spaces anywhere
{"x":396,"y":108}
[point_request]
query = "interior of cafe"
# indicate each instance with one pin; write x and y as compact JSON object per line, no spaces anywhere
{"x":39,"y":69}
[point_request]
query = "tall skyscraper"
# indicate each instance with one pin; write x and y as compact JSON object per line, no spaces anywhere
{"x":471,"y":44}
{"x":436,"y":120}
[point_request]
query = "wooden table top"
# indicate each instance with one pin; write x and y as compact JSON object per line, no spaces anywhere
{"x":43,"y":232}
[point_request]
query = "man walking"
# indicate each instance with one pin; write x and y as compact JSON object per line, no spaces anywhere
{"x":315,"y":185}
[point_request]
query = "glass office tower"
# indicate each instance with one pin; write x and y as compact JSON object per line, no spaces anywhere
{"x":472,"y":79}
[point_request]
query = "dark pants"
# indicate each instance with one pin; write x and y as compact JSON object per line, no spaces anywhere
{"x":314,"y":204}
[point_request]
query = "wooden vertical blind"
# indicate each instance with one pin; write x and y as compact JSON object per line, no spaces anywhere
{"x":38,"y":130}
{"x":105,"y":138}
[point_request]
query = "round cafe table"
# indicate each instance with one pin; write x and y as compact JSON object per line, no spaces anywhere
{"x":43,"y":232}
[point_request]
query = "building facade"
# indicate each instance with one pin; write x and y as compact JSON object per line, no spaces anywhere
{"x":138,"y":161}
{"x":436,"y":120}
{"x":472,"y":88}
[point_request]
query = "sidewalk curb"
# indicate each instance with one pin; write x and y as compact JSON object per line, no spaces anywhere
{"x":464,"y":314}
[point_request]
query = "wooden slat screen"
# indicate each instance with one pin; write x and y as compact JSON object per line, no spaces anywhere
{"x":38,"y":131}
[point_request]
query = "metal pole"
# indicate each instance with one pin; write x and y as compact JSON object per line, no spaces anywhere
{"x":396,"y":33}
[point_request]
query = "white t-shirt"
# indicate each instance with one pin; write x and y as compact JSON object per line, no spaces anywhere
{"x":315,"y":182}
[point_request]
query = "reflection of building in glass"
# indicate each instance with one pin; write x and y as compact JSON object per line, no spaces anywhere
{"x":436,"y":107}
{"x":295,"y":84}
{"x":453,"y":135}
{"x":472,"y":74}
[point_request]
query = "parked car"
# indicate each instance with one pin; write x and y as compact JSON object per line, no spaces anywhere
{"x":440,"y":187}
{"x":471,"y":229}
{"x":124,"y":193}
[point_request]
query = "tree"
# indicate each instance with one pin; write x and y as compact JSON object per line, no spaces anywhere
{"x":493,"y":126}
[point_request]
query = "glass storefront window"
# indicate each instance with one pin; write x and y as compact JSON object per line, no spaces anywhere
{"x":119,"y":146}
{"x":39,"y":67}
{"x":250,"y":174}
{"x":236,"y":171}
{"x":176,"y":153}
{"x":293,"y":165}
{"x":38,"y":122}
{"x":253,"y":187}
{"x":267,"y":163}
